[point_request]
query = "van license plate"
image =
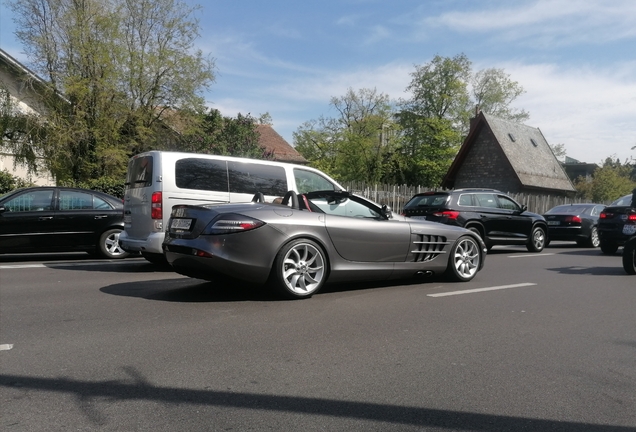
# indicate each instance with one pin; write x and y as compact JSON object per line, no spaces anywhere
{"x":181,"y":224}
{"x":629,"y":229}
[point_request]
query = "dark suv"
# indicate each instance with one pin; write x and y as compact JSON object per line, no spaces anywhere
{"x":497,"y":218}
{"x":617,"y":223}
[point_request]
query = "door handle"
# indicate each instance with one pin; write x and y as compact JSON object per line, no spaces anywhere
{"x":43,"y":218}
{"x":101,"y":217}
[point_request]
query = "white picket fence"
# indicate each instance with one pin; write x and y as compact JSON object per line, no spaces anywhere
{"x":397,"y":195}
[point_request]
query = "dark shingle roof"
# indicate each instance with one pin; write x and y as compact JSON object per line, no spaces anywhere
{"x":272,"y":142}
{"x":525,"y":148}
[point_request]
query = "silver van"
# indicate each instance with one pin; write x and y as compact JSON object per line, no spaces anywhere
{"x":158,"y":180}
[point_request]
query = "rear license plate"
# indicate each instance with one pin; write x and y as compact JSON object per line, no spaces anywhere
{"x":418,"y":217}
{"x":181,"y":224}
{"x":554,"y":223}
{"x":629,"y":229}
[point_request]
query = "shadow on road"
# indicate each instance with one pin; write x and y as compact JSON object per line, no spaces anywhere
{"x":592,"y":271}
{"x":142,"y":390}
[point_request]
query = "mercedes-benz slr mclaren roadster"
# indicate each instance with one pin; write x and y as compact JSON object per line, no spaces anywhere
{"x":307,"y":239}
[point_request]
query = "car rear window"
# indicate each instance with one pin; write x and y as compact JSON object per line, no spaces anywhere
{"x":139,"y":172}
{"x":623,"y":201}
{"x":427,"y":201}
{"x":568,"y":209}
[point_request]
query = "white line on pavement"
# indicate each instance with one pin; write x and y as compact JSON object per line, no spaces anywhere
{"x":68,"y":264}
{"x":530,"y":255}
{"x":6,"y":347}
{"x":481,"y":290}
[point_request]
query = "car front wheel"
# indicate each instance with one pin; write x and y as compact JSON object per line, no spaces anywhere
{"x":629,"y":257}
{"x":300,"y":269}
{"x":465,"y":258}
{"x":537,"y":240}
{"x":109,"y":246}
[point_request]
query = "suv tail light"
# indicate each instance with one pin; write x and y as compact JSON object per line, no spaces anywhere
{"x":450,"y":214}
{"x":156,"y":204}
{"x":604,"y":215}
{"x":632,"y":217}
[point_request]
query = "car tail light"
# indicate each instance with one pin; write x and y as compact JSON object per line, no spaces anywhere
{"x":156,"y":202}
{"x":632,"y":217}
{"x":232,"y":223}
{"x":573,"y":219}
{"x":605,"y":215}
{"x":448,"y":214}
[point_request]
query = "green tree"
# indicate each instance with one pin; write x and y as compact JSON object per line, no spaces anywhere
{"x":358,"y":143}
{"x":221,"y":135}
{"x":608,"y":183}
{"x":436,"y":118}
{"x":116,"y":69}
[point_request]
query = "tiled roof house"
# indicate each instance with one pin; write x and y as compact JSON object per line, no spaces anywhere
{"x":275,"y":144}
{"x":507,"y":156}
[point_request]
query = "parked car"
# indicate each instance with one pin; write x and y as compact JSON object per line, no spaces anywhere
{"x":298,"y":245}
{"x":629,"y":256}
{"x":158,"y":180}
{"x":574,"y":222}
{"x":616,"y":224}
{"x":494,"y":216}
{"x":60,"y":219}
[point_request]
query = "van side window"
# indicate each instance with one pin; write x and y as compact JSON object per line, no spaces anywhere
{"x":308,"y":181}
{"x":250,"y":178}
{"x":139,"y":172}
{"x":201,"y":174}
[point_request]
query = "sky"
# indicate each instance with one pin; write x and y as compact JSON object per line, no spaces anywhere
{"x":575,"y":59}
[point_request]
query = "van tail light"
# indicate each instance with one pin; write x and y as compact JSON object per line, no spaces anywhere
{"x":156,"y":206}
{"x":452,"y":215}
{"x":573,"y":219}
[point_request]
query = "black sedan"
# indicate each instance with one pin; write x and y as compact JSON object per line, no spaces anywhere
{"x":298,"y":245}
{"x":574,"y":222}
{"x":60,"y":219}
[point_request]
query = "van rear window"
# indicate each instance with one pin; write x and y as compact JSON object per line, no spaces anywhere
{"x":139,"y":172}
{"x":250,"y":178}
{"x":201,"y":174}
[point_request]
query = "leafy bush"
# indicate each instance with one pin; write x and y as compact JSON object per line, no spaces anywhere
{"x":109,"y":185}
{"x":9,"y":182}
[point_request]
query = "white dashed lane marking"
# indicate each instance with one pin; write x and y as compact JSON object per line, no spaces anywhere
{"x":478,"y":290}
{"x":6,"y":347}
{"x":530,"y":255}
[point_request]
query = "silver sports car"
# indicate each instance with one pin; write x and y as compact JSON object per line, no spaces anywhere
{"x":307,"y":239}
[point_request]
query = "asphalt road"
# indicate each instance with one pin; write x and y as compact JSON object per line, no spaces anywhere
{"x":536,"y":342}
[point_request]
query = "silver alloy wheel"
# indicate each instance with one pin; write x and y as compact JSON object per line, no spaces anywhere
{"x":538,"y":239}
{"x":466,"y":258}
{"x":111,"y":244}
{"x":303,"y":269}
{"x":594,"y":240}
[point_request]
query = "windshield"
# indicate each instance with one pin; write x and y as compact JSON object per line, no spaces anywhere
{"x":623,"y":201}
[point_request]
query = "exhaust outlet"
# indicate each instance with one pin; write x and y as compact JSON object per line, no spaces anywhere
{"x":424,"y":274}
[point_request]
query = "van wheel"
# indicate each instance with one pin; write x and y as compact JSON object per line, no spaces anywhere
{"x":109,"y":246}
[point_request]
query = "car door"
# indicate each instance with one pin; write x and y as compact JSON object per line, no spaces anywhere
{"x":80,"y":217}
{"x":494,"y":220}
{"x":27,"y":222}
{"x":361,"y":233}
{"x":513,"y":222}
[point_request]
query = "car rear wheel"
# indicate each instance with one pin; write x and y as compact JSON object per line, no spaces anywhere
{"x":629,"y":257}
{"x":537,"y":240}
{"x":464,"y":259}
{"x":300,"y":269}
{"x":593,"y":240}
{"x":109,"y":246}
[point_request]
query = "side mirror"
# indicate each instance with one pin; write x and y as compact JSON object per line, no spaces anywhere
{"x":524,"y":208}
{"x":2,"y":209}
{"x":386,"y":211}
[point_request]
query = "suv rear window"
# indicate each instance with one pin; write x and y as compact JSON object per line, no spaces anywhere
{"x":427,"y":201}
{"x":139,"y":172}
